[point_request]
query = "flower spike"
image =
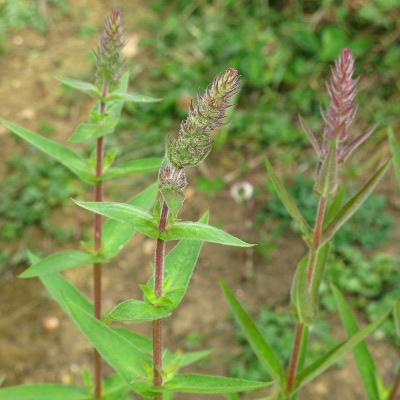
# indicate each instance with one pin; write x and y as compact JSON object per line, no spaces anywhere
{"x":109,"y":60}
{"x":194,"y":141}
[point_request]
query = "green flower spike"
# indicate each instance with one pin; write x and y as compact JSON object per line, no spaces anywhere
{"x":108,"y":57}
{"x":194,"y":141}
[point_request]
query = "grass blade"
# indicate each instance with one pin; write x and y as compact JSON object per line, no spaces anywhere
{"x":322,"y":363}
{"x":260,"y":346}
{"x":365,"y":364}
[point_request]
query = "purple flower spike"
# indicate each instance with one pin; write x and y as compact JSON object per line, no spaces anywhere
{"x":340,"y":113}
{"x":342,"y":90}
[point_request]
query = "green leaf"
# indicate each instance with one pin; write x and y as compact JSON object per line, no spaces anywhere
{"x":133,"y":167}
{"x":203,"y":232}
{"x":101,"y":124}
{"x":189,"y":358}
{"x":327,"y":178}
{"x":125,"y":358}
{"x":302,"y":307}
{"x":84,"y":87}
{"x":131,"y":97}
{"x":365,"y":364}
{"x":58,"y":286}
{"x":145,"y":344}
{"x":346,"y":212}
{"x":173,"y":198}
{"x":138,"y":218}
{"x":58,"y":262}
{"x":394,"y":147}
{"x":44,"y":391}
{"x":138,"y":311}
{"x":335,"y":206}
{"x":260,"y":346}
{"x":88,"y":131}
{"x":179,"y":265}
{"x":322,"y":363}
{"x":116,"y":234}
{"x":115,"y":388}
{"x":289,"y":203}
{"x":319,"y":269}
{"x":63,"y":155}
{"x":193,"y":383}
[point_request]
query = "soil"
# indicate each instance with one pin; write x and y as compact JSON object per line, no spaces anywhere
{"x":37,"y":342}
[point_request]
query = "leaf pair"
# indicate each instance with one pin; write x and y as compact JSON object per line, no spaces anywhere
{"x":115,"y":237}
{"x":146,"y":223}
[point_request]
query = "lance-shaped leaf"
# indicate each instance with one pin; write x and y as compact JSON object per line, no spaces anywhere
{"x":59,"y":262}
{"x":346,"y":212}
{"x":138,"y":218}
{"x":179,"y":265}
{"x":193,"y":383}
{"x":44,"y":391}
{"x":365,"y":364}
{"x":334,"y":206}
{"x":394,"y":147}
{"x":130,"y":97}
{"x":124,"y":357}
{"x":90,"y":131}
{"x":63,"y":155}
{"x":115,"y":234}
{"x":203,"y":232}
{"x":289,"y":203}
{"x":325,"y":361}
{"x":132,"y":167}
{"x":260,"y":346}
{"x":60,"y":287}
{"x":311,"y":137}
{"x":327,"y":178}
{"x":396,"y":317}
{"x":84,"y":87}
{"x":138,"y":311}
{"x":318,"y":273}
{"x":301,"y":305}
{"x":146,"y":345}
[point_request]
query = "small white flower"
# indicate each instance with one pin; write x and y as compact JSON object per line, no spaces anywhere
{"x":242,"y":191}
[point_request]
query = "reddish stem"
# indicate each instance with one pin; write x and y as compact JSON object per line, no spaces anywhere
{"x":158,"y":290}
{"x":310,"y":272}
{"x":395,"y":387}
{"x":97,"y":247}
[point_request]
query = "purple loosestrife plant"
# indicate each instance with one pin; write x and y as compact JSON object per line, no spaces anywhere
{"x":333,"y":150}
{"x":172,"y":272}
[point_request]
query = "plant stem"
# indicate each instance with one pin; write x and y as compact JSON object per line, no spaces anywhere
{"x":158,"y":290}
{"x":310,"y":273}
{"x":97,"y":247}
{"x":395,"y":387}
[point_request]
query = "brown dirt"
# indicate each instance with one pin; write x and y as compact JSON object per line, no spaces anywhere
{"x":31,"y":351}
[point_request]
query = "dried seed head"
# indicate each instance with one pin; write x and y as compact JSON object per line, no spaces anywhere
{"x":194,"y":141}
{"x":108,"y":56}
